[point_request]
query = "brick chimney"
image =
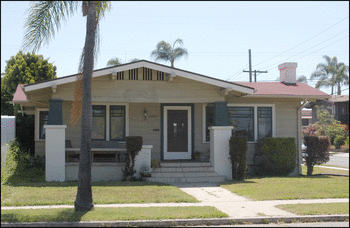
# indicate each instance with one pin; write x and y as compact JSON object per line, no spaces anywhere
{"x":288,"y":73}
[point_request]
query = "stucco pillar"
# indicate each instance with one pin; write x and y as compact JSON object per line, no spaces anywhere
{"x":55,"y":112}
{"x":143,"y":160}
{"x":219,"y":150}
{"x":55,"y":152}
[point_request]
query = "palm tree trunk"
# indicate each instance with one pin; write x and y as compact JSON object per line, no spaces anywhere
{"x":83,"y":201}
{"x":339,"y":91}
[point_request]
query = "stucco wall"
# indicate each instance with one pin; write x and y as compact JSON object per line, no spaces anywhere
{"x":99,"y":171}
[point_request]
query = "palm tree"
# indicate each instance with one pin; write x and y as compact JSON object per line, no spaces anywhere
{"x":342,"y":77}
{"x":164,"y":51}
{"x":114,"y":62}
{"x":40,"y":25}
{"x":302,"y":79}
{"x":330,"y":74}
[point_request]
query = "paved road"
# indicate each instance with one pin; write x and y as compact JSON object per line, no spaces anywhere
{"x":309,"y":224}
{"x":339,"y":159}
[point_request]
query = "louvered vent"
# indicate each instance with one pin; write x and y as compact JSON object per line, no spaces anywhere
{"x":147,"y":74}
{"x":160,"y":76}
{"x":134,"y":74}
{"x":120,"y":75}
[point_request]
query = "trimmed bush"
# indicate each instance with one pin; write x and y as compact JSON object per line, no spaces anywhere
{"x":133,"y":146}
{"x":275,"y":156}
{"x":238,"y":152}
{"x":339,"y":141}
{"x":317,"y":151}
{"x":21,"y":167}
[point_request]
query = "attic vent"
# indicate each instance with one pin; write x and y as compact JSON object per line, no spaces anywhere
{"x":134,"y":74}
{"x":120,"y":75}
{"x":147,"y":74}
{"x":160,"y":76}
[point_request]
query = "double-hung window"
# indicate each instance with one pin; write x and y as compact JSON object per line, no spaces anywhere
{"x":117,"y":122}
{"x":43,"y":119}
{"x":242,"y":119}
{"x":254,"y":121}
{"x":98,"y":122}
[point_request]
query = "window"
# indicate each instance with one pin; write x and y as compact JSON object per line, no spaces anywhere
{"x":98,"y":122}
{"x":264,"y":122}
{"x":147,"y":74}
{"x":304,"y":122}
{"x":117,"y":122}
{"x":43,"y":119}
{"x":134,"y":74}
{"x":209,"y":120}
{"x":160,"y":76}
{"x":242,"y":118}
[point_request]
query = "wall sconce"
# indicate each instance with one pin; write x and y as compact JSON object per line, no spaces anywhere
{"x":145,"y":113}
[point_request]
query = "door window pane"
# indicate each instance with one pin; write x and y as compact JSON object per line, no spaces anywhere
{"x":264,"y":122}
{"x":98,"y":122}
{"x":242,"y":119}
{"x":209,"y":120}
{"x":43,"y":119}
{"x":117,"y":122}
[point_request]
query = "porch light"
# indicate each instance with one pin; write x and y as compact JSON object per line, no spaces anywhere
{"x":145,"y":113}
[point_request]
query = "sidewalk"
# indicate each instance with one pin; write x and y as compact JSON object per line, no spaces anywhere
{"x":238,"y":208}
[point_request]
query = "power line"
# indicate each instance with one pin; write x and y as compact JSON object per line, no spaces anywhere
{"x":302,"y":42}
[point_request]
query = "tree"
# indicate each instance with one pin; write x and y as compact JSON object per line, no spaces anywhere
{"x":23,"y":69}
{"x":164,"y":51}
{"x":40,"y":25}
{"x":114,"y":62}
{"x":331,"y":74}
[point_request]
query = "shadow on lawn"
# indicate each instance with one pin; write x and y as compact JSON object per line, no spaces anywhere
{"x":63,"y":215}
{"x":75,"y":184}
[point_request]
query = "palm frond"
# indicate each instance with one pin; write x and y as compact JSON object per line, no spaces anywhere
{"x":44,"y":19}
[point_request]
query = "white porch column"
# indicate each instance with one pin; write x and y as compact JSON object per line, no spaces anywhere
{"x":143,"y":160}
{"x":219,"y":150}
{"x":55,"y":152}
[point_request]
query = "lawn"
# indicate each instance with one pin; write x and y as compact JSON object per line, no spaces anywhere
{"x":110,"y":214}
{"x":102,"y":192}
{"x":316,"y":208}
{"x":289,"y":188}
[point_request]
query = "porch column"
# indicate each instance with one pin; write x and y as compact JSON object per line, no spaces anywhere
{"x":219,"y":150}
{"x":55,"y":112}
{"x":55,"y":152}
{"x":143,"y":160}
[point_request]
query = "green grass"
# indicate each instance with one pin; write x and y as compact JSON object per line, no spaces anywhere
{"x":110,"y":214}
{"x":289,"y":188}
{"x":102,"y":193}
{"x":318,"y":170}
{"x":316,"y":208}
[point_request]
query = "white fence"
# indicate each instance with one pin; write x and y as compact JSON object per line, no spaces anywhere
{"x":8,"y":133}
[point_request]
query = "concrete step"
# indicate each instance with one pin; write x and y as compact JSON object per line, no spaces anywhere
{"x":183,"y":169}
{"x":170,"y":180}
{"x":184,"y":164}
{"x":183,"y":174}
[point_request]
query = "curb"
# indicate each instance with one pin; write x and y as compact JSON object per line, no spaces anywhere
{"x":187,"y":222}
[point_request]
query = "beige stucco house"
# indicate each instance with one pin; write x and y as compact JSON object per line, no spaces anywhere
{"x":177,"y":113}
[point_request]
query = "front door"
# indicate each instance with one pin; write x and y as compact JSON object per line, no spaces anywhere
{"x":177,"y":132}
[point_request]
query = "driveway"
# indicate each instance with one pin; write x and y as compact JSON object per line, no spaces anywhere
{"x":339,"y":159}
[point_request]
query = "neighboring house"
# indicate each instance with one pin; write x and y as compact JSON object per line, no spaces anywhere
{"x":337,"y":105}
{"x":306,"y":117}
{"x":177,"y":113}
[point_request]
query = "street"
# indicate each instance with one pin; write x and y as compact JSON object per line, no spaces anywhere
{"x":339,"y":159}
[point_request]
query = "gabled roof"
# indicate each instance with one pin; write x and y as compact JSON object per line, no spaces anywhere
{"x":19,"y":95}
{"x":278,"y":89}
{"x":339,"y":98}
{"x":144,"y":63}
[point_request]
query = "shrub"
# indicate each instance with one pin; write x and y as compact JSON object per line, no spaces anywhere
{"x":339,"y":141}
{"x":21,"y":167}
{"x":275,"y":156}
{"x":155,"y":163}
{"x":238,"y":151}
{"x":133,"y":146}
{"x":317,"y":151}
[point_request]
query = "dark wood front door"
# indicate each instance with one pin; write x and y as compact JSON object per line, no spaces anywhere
{"x":177,"y":131}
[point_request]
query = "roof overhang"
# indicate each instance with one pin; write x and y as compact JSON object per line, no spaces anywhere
{"x":143,"y":63}
{"x":309,"y":97}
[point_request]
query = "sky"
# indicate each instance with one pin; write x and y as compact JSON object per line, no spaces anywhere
{"x":217,"y":36}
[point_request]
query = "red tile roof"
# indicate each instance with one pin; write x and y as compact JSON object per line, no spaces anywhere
{"x":278,"y":88}
{"x":19,"y":94}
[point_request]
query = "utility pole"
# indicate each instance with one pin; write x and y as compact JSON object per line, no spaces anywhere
{"x":250,"y":69}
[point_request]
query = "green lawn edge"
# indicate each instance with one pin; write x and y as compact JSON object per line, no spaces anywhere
{"x":110,"y":214}
{"x":316,"y":208}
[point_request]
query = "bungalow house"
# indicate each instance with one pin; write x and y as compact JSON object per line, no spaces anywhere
{"x":337,"y":106}
{"x":177,"y":113}
{"x":306,"y":117}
